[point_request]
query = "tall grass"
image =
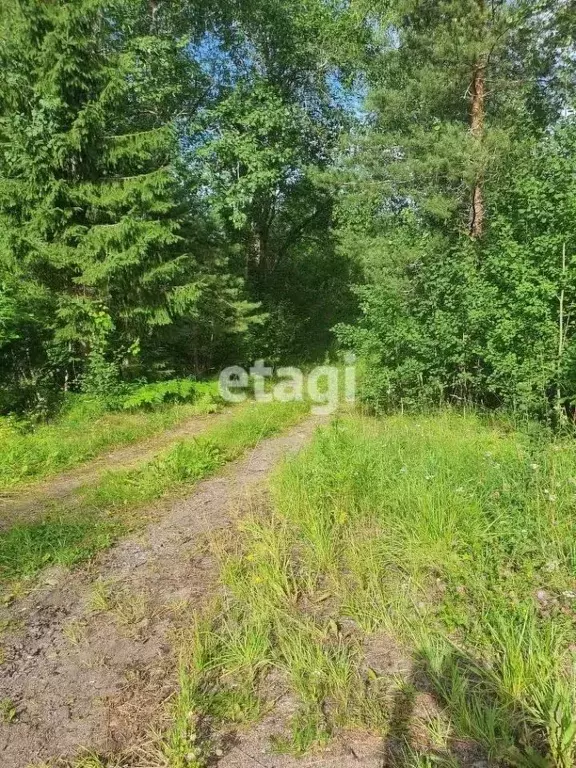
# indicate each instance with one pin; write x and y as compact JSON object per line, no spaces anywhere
{"x":452,"y":535}
{"x":99,"y":514}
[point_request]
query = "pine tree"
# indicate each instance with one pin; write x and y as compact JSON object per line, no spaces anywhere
{"x":462,"y":92}
{"x":451,"y":80}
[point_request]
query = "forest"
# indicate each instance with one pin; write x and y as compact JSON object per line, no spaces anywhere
{"x":378,"y":192}
{"x":225,"y":182}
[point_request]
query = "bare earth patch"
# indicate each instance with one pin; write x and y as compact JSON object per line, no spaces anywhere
{"x":411,"y":706}
{"x":360,"y":750}
{"x":89,"y":655}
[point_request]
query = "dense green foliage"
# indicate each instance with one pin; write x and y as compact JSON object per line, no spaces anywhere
{"x":157,"y":191}
{"x":460,"y":206}
{"x":189,"y":185}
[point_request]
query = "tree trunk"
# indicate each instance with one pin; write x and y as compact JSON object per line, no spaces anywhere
{"x":477,"y":118}
{"x":257,"y":254}
{"x":562,"y":332}
{"x":477,"y":113}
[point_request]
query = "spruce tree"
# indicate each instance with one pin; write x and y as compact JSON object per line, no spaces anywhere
{"x":94,"y":212}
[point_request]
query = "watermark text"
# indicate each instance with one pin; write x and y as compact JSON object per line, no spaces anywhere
{"x":325,"y":386}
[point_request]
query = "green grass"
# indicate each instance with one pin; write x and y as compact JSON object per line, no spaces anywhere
{"x":98,"y":515}
{"x":85,"y":429}
{"x":455,"y":537}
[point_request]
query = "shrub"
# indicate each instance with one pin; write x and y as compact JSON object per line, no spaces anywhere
{"x":173,"y":391}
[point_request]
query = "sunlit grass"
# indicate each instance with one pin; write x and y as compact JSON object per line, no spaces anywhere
{"x":98,"y":515}
{"x":452,"y":535}
{"x":84,"y":430}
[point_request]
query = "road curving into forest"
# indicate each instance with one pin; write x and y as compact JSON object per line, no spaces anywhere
{"x":89,"y":659}
{"x":30,"y":502}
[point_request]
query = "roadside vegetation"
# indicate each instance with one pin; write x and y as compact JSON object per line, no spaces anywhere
{"x":97,"y":515}
{"x":447,"y":537}
{"x":89,"y":425}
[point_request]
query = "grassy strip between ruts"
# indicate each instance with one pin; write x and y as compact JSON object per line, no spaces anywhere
{"x":85,"y":429}
{"x":110,"y":508}
{"x":448,"y":541}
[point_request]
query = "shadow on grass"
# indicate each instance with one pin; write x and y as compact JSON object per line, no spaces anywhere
{"x":468,"y":726}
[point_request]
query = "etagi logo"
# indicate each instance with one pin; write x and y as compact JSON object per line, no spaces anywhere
{"x":325,"y":386}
